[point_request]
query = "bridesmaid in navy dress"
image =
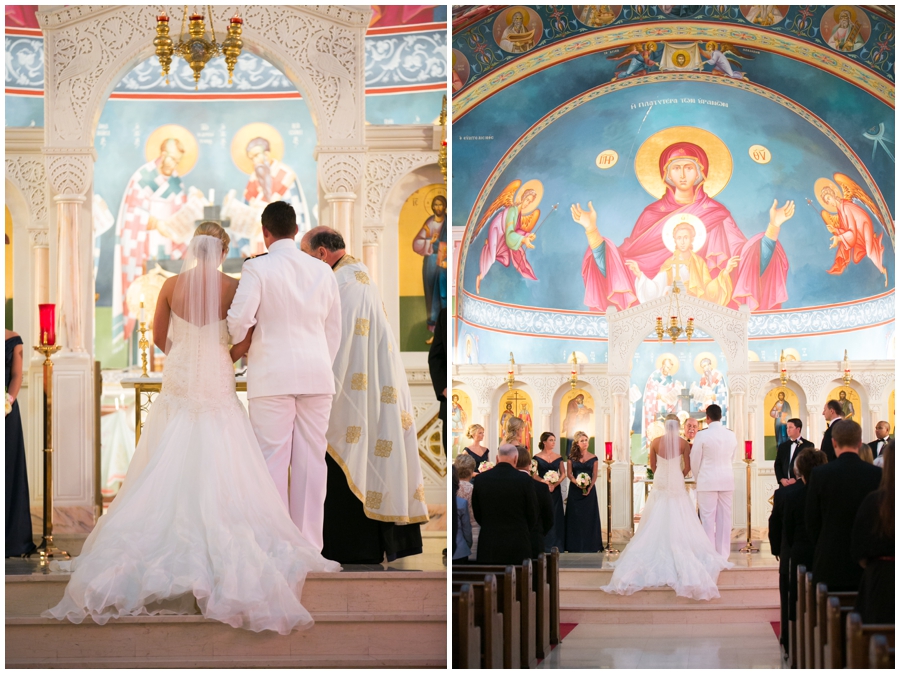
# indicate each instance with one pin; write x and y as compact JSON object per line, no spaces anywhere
{"x":583,"y":533}
{"x":19,"y":539}
{"x":547,"y":460}
{"x":475,"y":450}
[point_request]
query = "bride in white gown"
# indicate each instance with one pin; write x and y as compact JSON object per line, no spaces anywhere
{"x":670,"y":547}
{"x":198,"y":516}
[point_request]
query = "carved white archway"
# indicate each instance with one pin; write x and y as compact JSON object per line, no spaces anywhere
{"x":628,"y":328}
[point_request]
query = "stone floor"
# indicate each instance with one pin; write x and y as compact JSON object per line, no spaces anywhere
{"x":741,"y":560}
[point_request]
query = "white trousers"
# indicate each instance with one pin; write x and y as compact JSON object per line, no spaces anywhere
{"x":291,"y":433}
{"x":715,"y":515}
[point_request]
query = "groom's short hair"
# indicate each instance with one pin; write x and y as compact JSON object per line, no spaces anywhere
{"x":797,"y":423}
{"x":280,"y":219}
{"x":714,"y":413}
{"x":330,"y":239}
{"x":847,"y":435}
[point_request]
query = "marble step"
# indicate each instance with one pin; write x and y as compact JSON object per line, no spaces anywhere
{"x":338,"y":639}
{"x":374,"y":593}
{"x":739,"y":576}
{"x":731,"y":596}
{"x":671,"y":613}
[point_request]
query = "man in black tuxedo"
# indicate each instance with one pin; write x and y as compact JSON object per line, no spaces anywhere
{"x":835,"y":493}
{"x":505,"y":505}
{"x":437,"y":368}
{"x":882,"y":435}
{"x":779,"y":549}
{"x":833,"y":414}
{"x":544,"y":522}
{"x":787,"y":453}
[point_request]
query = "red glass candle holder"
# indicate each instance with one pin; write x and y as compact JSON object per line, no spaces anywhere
{"x":748,"y":450}
{"x":196,"y":17}
{"x":608,"y":446}
{"x":162,"y":17}
{"x":236,"y":19}
{"x":48,"y":324}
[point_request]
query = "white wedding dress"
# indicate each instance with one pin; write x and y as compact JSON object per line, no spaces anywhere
{"x":198,"y":516}
{"x":670,"y":547}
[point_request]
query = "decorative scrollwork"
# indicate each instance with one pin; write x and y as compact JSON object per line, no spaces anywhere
{"x":340,"y":170}
{"x":383,"y":170}
{"x":28,"y":173}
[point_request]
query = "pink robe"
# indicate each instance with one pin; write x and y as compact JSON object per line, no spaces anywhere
{"x":857,"y":238}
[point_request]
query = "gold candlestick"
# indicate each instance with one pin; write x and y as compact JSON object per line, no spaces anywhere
{"x":749,"y":547}
{"x":46,"y":548}
{"x":143,"y":345}
{"x":609,"y":548}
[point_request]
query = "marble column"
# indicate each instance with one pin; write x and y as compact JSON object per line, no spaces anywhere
{"x":814,"y":422}
{"x":70,"y":310}
{"x":874,"y":413}
{"x":340,"y":205}
{"x":546,"y":425}
{"x":372,"y":252}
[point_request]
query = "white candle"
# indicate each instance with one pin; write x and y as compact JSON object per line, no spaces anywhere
{"x":212,"y":196}
{"x":142,"y":307}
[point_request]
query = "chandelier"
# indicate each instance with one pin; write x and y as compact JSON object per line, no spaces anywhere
{"x":195,"y":46}
{"x":675,"y":328}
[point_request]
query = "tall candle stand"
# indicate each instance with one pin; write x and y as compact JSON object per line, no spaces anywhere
{"x":609,"y":548}
{"x":46,"y":549}
{"x":749,"y":547}
{"x":143,"y":345}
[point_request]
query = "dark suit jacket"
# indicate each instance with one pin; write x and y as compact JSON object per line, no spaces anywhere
{"x":874,"y":446}
{"x":437,"y":366}
{"x":795,"y":542}
{"x":544,"y":522}
{"x":784,"y":466}
{"x":776,"y":524}
{"x":836,"y":490}
{"x":505,"y":505}
{"x":827,"y":445}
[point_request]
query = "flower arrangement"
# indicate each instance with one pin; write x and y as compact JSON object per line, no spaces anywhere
{"x":9,"y":402}
{"x":534,"y":467}
{"x":649,"y":473}
{"x":551,"y":476}
{"x":484,"y":467}
{"x":584,"y":482}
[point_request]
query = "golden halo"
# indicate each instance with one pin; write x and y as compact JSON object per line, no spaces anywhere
{"x":822,"y":183}
{"x":646,"y":161}
{"x":676,"y":364}
{"x":538,"y":187}
{"x":248,"y":133}
{"x":668,"y":233}
{"x":752,"y":356}
{"x":526,"y":17}
{"x":188,"y":142}
{"x":687,"y":58}
{"x":837,"y":13}
{"x":701,"y":356}
{"x":431,"y":194}
{"x":651,"y":46}
{"x":791,"y":354}
{"x":711,"y":46}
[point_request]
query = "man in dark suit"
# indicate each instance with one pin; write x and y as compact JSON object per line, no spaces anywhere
{"x":833,"y":414}
{"x":437,"y":367}
{"x":544,"y":502}
{"x":882,"y":435}
{"x":836,"y":491}
{"x":505,"y":505}
{"x":780,"y":549}
{"x":787,"y":453}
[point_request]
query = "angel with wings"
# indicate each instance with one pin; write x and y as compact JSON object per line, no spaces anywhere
{"x":715,"y":56}
{"x":641,"y":57}
{"x":850,"y":225}
{"x":511,"y":217}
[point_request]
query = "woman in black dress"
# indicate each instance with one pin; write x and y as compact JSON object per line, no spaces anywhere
{"x":583,"y":533}
{"x":547,"y":459}
{"x":475,"y":450}
{"x":19,"y":539}
{"x":872,"y":544}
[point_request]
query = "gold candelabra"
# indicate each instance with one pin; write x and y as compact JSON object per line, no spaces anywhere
{"x":783,"y":369}
{"x":675,"y":330}
{"x":749,"y":547}
{"x":442,"y":153}
{"x":609,"y":548}
{"x":847,"y":377}
{"x":143,"y":346}
{"x":46,"y":549}
{"x":573,"y":380}
{"x":511,"y":374}
{"x":194,"y":46}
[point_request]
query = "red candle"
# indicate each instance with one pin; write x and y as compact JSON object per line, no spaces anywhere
{"x":162,"y":17}
{"x":196,"y":17}
{"x":48,"y":324}
{"x":236,"y":19}
{"x":748,"y":449}
{"x":608,"y":451}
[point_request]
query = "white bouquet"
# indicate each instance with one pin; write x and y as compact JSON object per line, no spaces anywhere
{"x":9,"y":402}
{"x":487,"y":465}
{"x":534,"y":467}
{"x":551,"y":476}
{"x":584,"y":482}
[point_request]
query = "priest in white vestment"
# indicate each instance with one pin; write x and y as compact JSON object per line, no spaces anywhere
{"x":375,"y":500}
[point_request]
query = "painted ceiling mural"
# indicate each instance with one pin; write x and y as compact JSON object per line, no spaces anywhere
{"x":747,"y":151}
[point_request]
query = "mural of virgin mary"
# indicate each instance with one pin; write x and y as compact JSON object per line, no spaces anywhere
{"x":685,"y":173}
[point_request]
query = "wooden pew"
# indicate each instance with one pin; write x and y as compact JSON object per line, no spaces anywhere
{"x":527,"y":600}
{"x":507,"y":603}
{"x":542,"y":607}
{"x":821,"y":632}
{"x":881,"y":654}
{"x":798,"y":638}
{"x":839,"y":604}
{"x":809,"y":637}
{"x":858,"y":636}
{"x":553,"y":581}
{"x":487,"y":619}
{"x":466,"y":636}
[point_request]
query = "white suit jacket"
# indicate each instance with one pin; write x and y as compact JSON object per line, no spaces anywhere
{"x":292,"y":299}
{"x":712,"y":455}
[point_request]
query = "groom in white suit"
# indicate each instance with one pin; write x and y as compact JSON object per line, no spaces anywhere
{"x":291,"y":302}
{"x":712,"y":454}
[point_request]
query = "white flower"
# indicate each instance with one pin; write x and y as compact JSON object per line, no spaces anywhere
{"x":9,"y":402}
{"x":551,"y":476}
{"x":534,"y":467}
{"x":487,"y":465}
